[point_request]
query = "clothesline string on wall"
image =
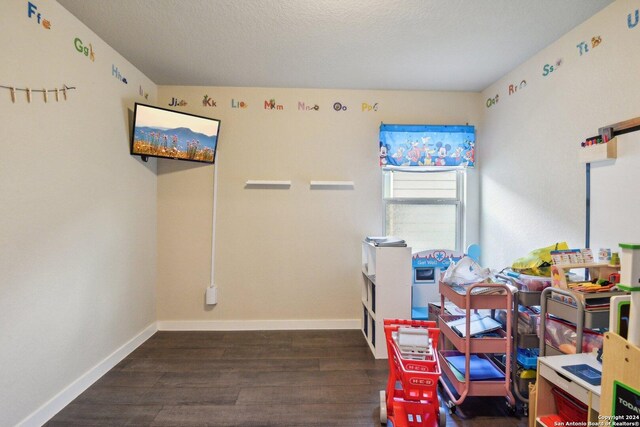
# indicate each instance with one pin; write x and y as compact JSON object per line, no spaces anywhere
{"x":38,"y":90}
{"x":44,"y":91}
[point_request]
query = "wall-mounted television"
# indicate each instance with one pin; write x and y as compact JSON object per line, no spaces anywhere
{"x":158,"y":132}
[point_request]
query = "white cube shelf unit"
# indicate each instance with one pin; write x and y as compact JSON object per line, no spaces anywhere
{"x":386,"y":291}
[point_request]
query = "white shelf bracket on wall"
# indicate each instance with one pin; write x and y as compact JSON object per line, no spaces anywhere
{"x":329,"y":185}
{"x":256,"y":183}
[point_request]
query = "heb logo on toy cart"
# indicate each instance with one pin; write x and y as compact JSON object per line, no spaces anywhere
{"x":411,"y":367}
{"x":421,"y":381}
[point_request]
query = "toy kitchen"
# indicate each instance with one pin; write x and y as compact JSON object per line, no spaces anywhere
{"x":428,"y":266}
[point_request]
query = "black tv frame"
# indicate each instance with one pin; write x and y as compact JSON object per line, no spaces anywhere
{"x":145,"y":157}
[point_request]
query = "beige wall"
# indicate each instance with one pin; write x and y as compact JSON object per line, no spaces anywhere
{"x":282,"y":254}
{"x":533,"y":188}
{"x":77,"y":212}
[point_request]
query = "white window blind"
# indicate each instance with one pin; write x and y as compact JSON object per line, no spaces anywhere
{"x":425,"y":209}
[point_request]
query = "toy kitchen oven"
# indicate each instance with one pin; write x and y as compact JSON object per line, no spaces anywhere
{"x":428,"y":266}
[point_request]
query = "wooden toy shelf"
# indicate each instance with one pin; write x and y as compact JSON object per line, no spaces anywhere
{"x":551,"y":373}
{"x":596,"y":271}
{"x":620,"y":368}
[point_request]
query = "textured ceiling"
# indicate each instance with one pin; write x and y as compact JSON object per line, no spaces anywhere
{"x":373,"y":44}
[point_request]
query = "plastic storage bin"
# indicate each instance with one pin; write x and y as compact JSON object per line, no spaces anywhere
{"x":528,"y":357}
{"x":562,"y":336}
{"x":524,"y":378}
{"x":528,"y":283}
{"x":568,"y":408}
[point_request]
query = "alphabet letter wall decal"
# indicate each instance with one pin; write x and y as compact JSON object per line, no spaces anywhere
{"x":637,"y":16}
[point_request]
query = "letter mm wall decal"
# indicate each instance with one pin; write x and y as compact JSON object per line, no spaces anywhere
{"x":271,"y":105}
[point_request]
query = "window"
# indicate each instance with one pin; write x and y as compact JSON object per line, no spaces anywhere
{"x":424,"y":208}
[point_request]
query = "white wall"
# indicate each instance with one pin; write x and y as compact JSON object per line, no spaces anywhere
{"x":78,"y":213}
{"x":532,"y":186}
{"x":282,"y":254}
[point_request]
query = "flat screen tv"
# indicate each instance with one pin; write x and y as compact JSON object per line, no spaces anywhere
{"x":158,"y":132}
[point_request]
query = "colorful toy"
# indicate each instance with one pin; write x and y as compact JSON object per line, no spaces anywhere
{"x":411,"y":398}
{"x":428,"y":266}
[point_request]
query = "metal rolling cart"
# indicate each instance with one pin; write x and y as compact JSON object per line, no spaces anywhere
{"x":564,"y":311}
{"x":521,"y":341}
{"x":578,"y":314}
{"x":471,"y":298}
{"x":573,"y":306}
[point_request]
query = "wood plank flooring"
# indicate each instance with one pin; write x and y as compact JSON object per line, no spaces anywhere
{"x":253,"y":378}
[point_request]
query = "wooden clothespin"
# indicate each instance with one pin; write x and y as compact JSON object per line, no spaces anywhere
{"x":46,"y":95}
{"x":13,"y":95}
{"x":28,"y":95}
{"x":64,"y":92}
{"x":57,"y":94}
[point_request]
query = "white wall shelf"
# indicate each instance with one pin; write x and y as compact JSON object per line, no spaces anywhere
{"x":599,"y":152}
{"x":256,"y":183}
{"x":338,"y":185}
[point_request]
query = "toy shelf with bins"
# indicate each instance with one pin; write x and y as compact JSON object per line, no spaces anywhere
{"x":526,"y":299}
{"x":385,"y":291}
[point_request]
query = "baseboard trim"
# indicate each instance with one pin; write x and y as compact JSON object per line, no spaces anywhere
{"x":256,"y":325}
{"x":45,"y":412}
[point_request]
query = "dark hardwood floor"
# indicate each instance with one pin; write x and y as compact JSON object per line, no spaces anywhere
{"x":255,"y":378}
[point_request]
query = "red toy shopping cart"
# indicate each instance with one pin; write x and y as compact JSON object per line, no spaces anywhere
{"x":411,"y":397}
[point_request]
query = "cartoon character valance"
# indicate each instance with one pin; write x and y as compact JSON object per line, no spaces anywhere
{"x":427,"y":145}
